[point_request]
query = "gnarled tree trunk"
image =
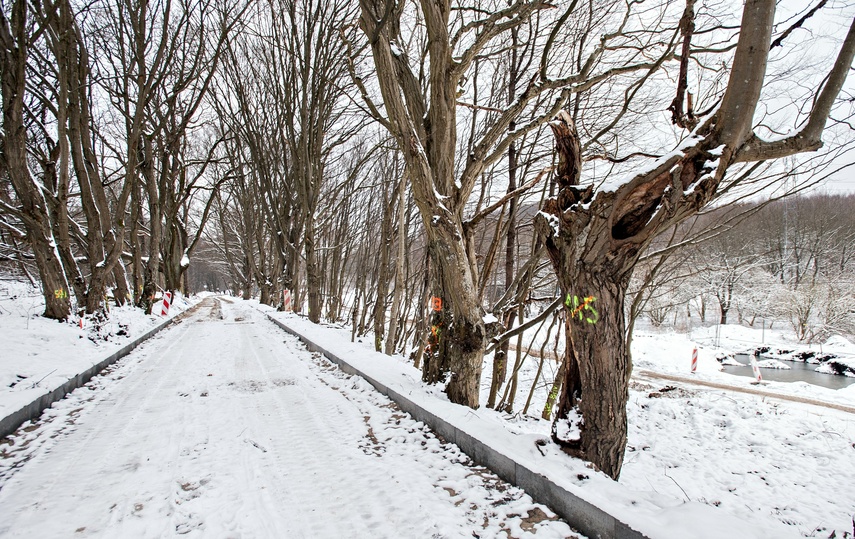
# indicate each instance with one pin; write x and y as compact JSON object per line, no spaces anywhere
{"x":14,"y":41}
{"x":594,"y":241}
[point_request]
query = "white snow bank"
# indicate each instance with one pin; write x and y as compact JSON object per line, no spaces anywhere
{"x":838,"y":343}
{"x":40,"y":354}
{"x":772,"y":364}
{"x":654,"y":514}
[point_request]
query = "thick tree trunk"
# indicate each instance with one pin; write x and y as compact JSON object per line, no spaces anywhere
{"x":399,"y":271}
{"x":291,"y":273}
{"x":136,"y":244}
{"x":34,"y":213}
{"x":422,"y":319}
{"x":121,"y":294}
{"x":266,"y":293}
{"x":152,"y":265}
{"x":104,"y":241}
{"x":383,"y":276}
{"x":246,"y":285}
{"x":591,"y":267}
{"x":459,"y":347}
{"x":500,"y":365}
{"x":57,"y":183}
{"x":596,"y":374}
{"x":313,"y":279}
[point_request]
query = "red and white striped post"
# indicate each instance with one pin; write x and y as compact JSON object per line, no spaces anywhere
{"x":286,"y":300}
{"x":167,"y":298}
{"x":755,"y":367}
{"x":694,"y":360}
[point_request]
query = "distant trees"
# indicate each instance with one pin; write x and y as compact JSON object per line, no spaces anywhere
{"x":283,"y":109}
{"x":786,"y":261}
{"x":106,"y":99}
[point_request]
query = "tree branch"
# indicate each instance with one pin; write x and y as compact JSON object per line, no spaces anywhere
{"x":496,"y":341}
{"x":470,"y":224}
{"x":798,"y":24}
{"x":810,"y":137}
{"x":516,"y":14}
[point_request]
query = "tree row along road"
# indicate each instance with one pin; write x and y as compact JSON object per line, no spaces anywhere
{"x":225,"y":426}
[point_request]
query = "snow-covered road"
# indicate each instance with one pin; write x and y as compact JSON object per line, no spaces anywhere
{"x":224,"y":426}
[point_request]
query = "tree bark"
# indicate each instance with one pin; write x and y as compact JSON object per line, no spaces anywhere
{"x":313,"y":279}
{"x":383,"y":276}
{"x":14,"y":42}
{"x":151,"y":267}
{"x":399,"y":270}
{"x":427,"y":137}
{"x":596,"y":377}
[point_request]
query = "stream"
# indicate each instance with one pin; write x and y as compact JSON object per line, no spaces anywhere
{"x":799,"y":372}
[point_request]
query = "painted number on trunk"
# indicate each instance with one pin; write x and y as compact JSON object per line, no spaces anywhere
{"x":436,"y":303}
{"x":582,"y":304}
{"x":60,"y":294}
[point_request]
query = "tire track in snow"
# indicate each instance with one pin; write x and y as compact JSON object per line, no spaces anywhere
{"x":125,"y":389}
{"x":231,"y":428}
{"x":489,"y":505}
{"x":42,"y":433}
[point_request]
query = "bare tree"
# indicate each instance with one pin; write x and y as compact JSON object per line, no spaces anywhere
{"x":425,"y":125}
{"x":17,"y":33}
{"x":162,"y":57}
{"x":595,"y":239}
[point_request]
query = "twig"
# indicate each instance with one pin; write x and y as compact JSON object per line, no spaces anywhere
{"x":678,"y":484}
{"x":43,"y":377}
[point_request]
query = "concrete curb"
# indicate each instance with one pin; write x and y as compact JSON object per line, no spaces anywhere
{"x":13,"y":421}
{"x":580,"y":514}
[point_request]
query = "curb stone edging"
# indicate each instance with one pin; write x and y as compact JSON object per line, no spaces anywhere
{"x":580,"y":514}
{"x":11,"y":423}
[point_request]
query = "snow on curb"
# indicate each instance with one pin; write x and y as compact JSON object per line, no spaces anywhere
{"x":11,"y":422}
{"x":586,"y":499}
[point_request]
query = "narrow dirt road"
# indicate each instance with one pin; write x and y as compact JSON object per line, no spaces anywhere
{"x":224,"y":426}
{"x":648,"y":375}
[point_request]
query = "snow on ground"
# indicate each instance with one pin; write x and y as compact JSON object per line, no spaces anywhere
{"x":767,"y":462}
{"x":757,"y":459}
{"x":669,"y":352}
{"x":230,"y":428}
{"x":772,"y":364}
{"x":105,"y":461}
{"x":41,"y":354}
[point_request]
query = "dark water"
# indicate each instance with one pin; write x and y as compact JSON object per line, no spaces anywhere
{"x":799,"y":372}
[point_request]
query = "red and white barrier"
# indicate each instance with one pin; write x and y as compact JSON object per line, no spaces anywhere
{"x":167,"y":298}
{"x":286,"y":300}
{"x":694,"y":360}
{"x":756,"y":368}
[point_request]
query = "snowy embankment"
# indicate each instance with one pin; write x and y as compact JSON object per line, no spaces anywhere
{"x":658,"y":515}
{"x":41,"y":354}
{"x":698,"y":461}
